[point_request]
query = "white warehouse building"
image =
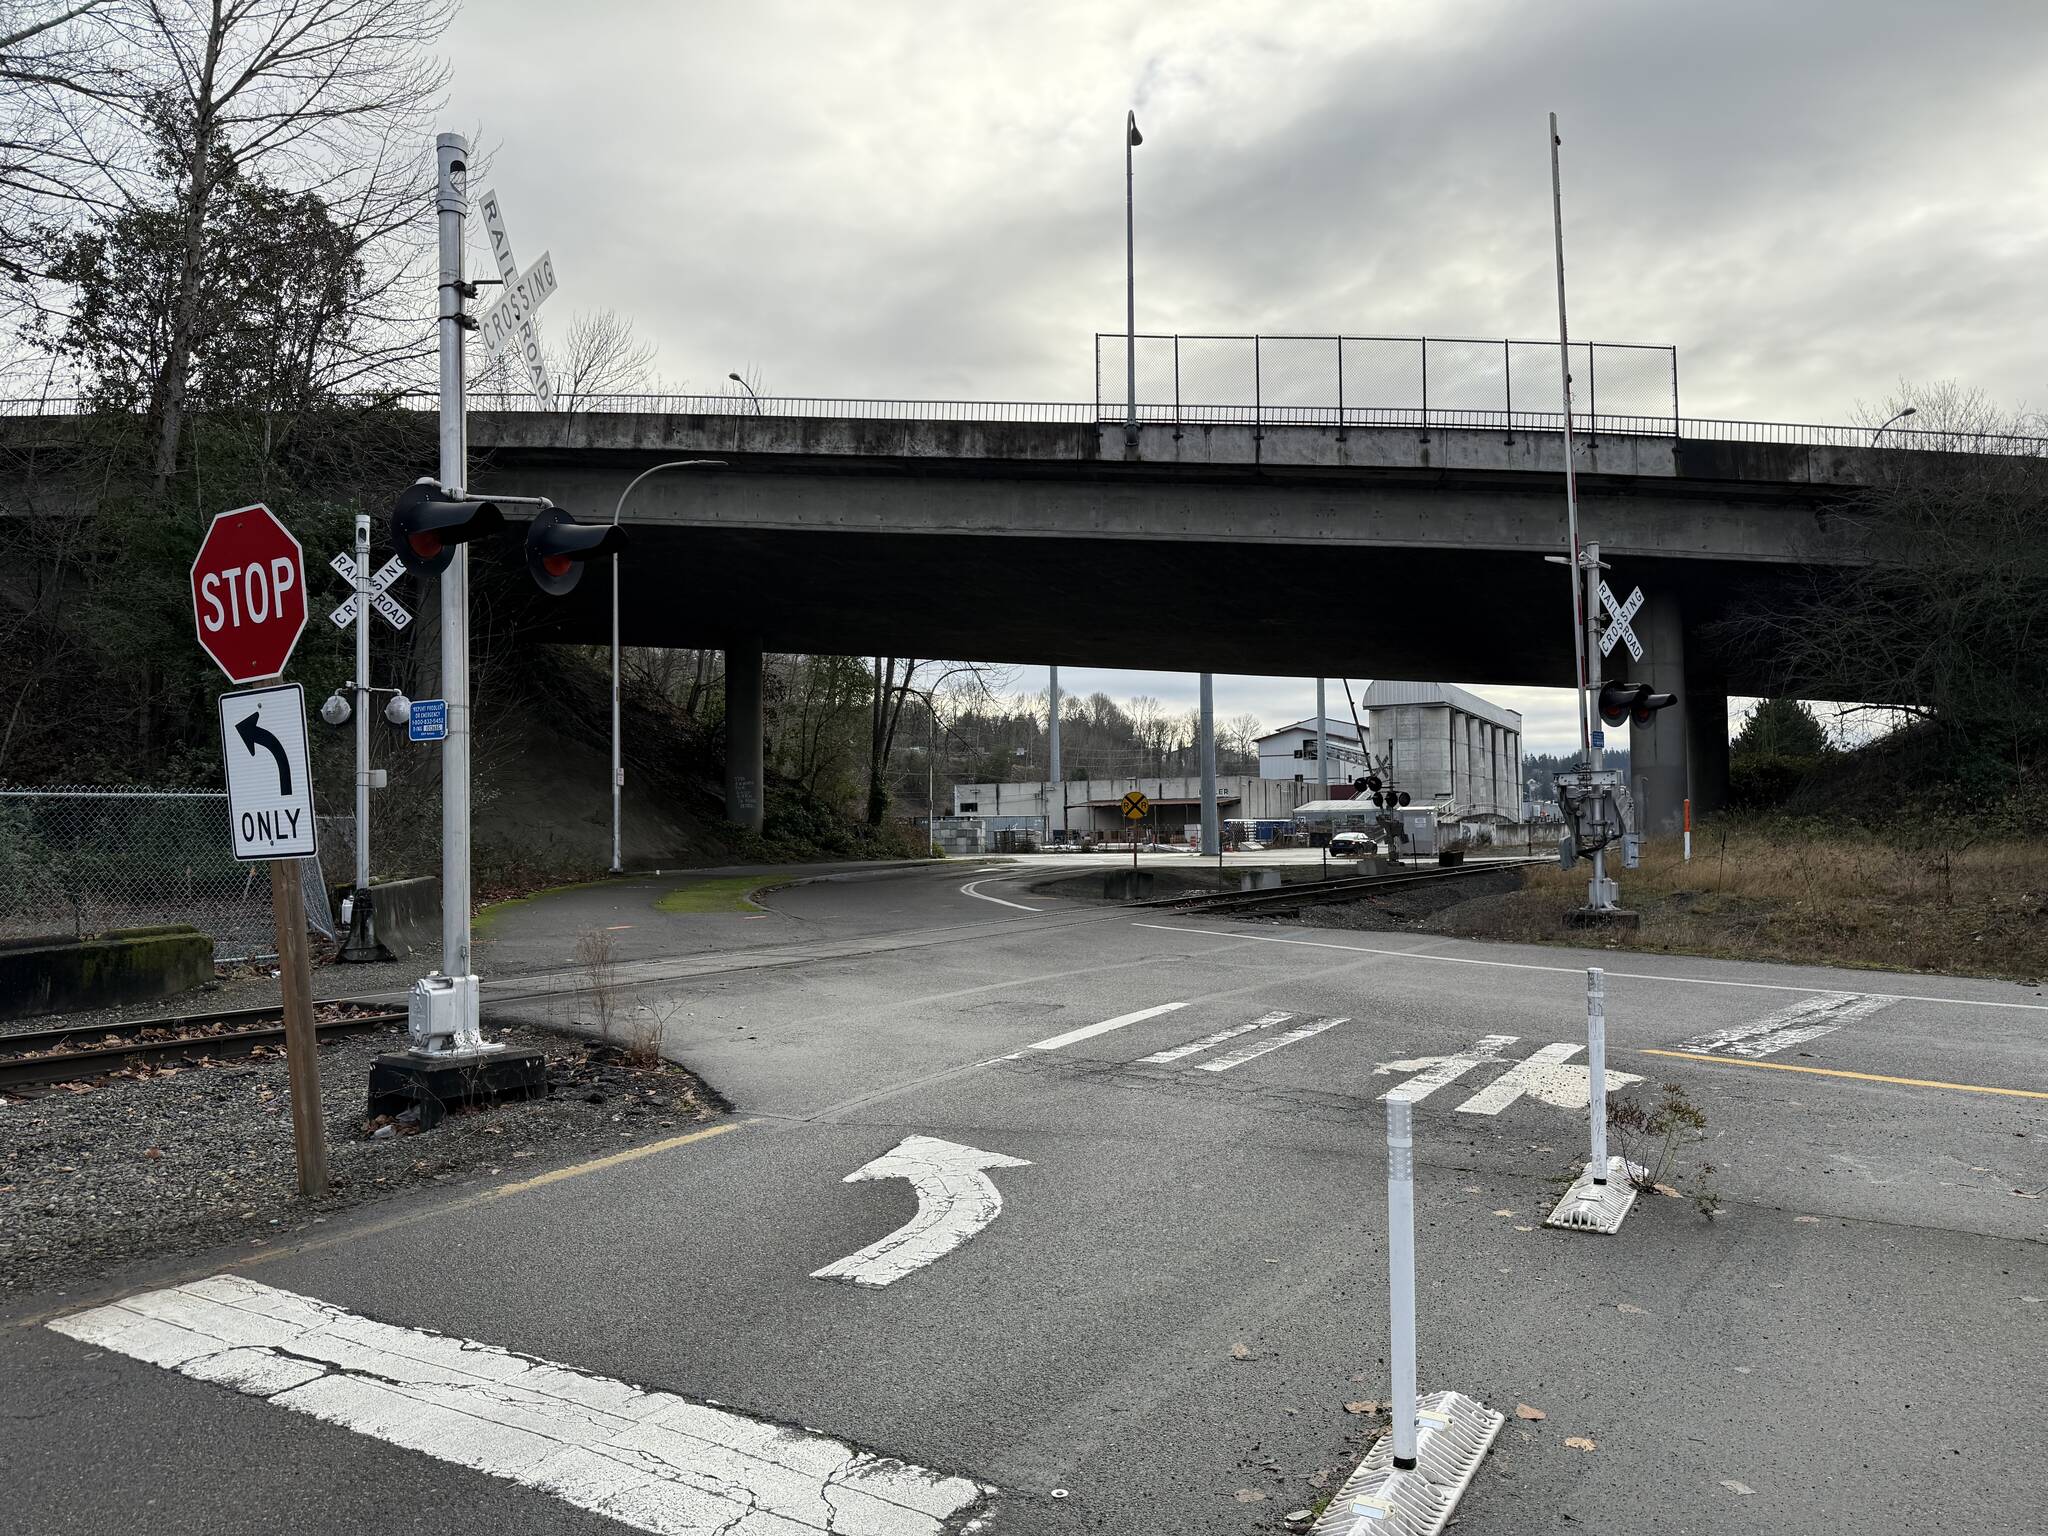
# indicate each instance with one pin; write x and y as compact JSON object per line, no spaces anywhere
{"x":1448,"y":747}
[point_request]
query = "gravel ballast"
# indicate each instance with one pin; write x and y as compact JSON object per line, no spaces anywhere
{"x":153,"y":1163}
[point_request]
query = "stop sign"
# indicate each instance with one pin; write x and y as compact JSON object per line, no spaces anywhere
{"x":249,"y":593}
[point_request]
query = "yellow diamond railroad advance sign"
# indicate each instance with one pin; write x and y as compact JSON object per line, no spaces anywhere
{"x":1136,"y":806}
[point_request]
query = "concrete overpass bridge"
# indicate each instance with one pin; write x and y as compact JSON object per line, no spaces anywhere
{"x":1408,"y":549}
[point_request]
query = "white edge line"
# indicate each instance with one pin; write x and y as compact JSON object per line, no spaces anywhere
{"x":1089,"y":1031}
{"x":969,"y":890}
{"x":1577,"y":970}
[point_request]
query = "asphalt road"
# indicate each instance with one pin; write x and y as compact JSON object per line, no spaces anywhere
{"x":1186,"y":1282}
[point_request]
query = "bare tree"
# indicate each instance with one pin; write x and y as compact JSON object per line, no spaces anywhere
{"x":599,"y":355}
{"x":1943,"y":614}
{"x":325,"y":98}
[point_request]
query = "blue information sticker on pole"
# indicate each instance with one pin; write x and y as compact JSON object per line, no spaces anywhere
{"x":1599,"y":736}
{"x":428,"y":720}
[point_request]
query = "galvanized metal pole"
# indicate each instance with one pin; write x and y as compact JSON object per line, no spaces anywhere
{"x":1596,"y":1066}
{"x":618,"y":767}
{"x":301,"y":1043}
{"x":1401,"y":1275}
{"x":1052,"y":728}
{"x":1132,"y":139}
{"x":1571,"y":484}
{"x":362,"y":692}
{"x":1212,"y":841}
{"x":1596,"y":895}
{"x":451,"y":196}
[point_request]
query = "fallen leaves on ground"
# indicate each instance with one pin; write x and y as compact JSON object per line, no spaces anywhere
{"x":1734,"y":1487}
{"x":1240,"y":1352}
{"x":1666,"y":1191}
{"x":1503,"y":1213}
{"x":1630,"y":1307}
{"x":1250,"y":1495}
{"x":1524,"y":1411}
{"x":1581,"y":1443}
{"x":1362,"y":1407}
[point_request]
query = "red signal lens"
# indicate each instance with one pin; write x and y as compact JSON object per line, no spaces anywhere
{"x":425,"y":545}
{"x":557,"y":565}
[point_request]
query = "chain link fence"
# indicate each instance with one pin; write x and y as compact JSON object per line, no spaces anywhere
{"x":1386,"y":381}
{"x":77,"y":860}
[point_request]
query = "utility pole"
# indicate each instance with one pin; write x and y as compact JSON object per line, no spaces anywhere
{"x":451,"y":199}
{"x":1132,"y":139}
{"x":1322,"y":746}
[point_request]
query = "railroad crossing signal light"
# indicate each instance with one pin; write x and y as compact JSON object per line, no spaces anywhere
{"x":426,"y":527}
{"x":1618,"y":700}
{"x":1645,"y":712}
{"x":557,"y":547}
{"x":1402,"y":797}
{"x":1634,"y":702}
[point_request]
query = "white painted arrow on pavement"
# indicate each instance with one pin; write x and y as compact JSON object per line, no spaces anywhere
{"x":955,"y":1200}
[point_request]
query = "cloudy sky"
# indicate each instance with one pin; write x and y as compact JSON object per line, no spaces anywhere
{"x":1811,"y":202}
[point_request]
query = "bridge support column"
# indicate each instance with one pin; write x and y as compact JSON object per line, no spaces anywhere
{"x":744,"y":730}
{"x":1706,"y":718}
{"x":1658,"y":755}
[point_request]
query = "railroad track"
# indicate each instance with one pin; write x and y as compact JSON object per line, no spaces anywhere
{"x":1315,"y":892}
{"x":77,"y":1051}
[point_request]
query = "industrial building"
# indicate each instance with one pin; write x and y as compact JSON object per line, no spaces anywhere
{"x":1458,"y":756}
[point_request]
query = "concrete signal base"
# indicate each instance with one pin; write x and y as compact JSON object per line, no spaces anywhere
{"x":400,"y":1082}
{"x":1603,"y":917}
{"x":1452,"y":1437}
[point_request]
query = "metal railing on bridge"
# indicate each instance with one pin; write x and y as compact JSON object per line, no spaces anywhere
{"x":1620,"y":381}
{"x":1386,"y":381}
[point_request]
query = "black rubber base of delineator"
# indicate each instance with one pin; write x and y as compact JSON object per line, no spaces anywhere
{"x":398,"y":1082}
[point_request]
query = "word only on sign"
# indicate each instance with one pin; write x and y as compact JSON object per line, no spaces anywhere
{"x":270,"y":780}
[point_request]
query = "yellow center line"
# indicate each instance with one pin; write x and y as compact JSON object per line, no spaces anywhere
{"x":599,"y":1164}
{"x":1861,"y":1077}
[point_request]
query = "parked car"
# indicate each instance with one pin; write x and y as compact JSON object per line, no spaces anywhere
{"x":1353,"y":845}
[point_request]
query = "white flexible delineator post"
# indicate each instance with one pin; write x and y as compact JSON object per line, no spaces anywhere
{"x":1411,"y":1480}
{"x":1401,"y":1274}
{"x":1602,"y":1195}
{"x":1596,"y":1066}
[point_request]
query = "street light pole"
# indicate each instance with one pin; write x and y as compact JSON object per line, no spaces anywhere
{"x":743,"y":384}
{"x":618,"y":765}
{"x":1880,"y":432}
{"x":1132,"y":139}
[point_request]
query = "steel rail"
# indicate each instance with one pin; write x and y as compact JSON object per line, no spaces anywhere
{"x":42,"y":1056}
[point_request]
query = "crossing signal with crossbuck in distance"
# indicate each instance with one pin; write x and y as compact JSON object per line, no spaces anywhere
{"x":1632,"y":702}
{"x":557,"y":546}
{"x":426,"y":526}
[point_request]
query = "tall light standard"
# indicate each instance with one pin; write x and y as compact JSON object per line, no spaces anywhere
{"x":743,"y":384}
{"x":1132,"y":139}
{"x":1908,"y":411}
{"x":618,"y":766}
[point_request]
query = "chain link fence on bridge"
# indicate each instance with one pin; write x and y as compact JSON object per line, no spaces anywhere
{"x":77,"y":860}
{"x":1387,"y":381}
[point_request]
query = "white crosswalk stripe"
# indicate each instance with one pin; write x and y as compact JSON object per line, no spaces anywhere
{"x":1540,"y":1075}
{"x":1807,"y":1019}
{"x":1090,"y":1031}
{"x":1252,"y":1052}
{"x":1196,"y":1047}
{"x":1433,"y":1074}
{"x":647,"y":1459}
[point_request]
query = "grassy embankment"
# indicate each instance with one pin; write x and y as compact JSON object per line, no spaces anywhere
{"x":1763,"y":891}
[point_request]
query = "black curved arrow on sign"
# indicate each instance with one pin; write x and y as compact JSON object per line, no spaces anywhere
{"x":254,"y":735}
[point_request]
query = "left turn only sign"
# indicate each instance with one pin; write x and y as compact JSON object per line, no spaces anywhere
{"x":270,"y":782}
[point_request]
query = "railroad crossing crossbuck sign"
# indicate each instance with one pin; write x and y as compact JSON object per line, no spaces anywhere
{"x":270,"y":785}
{"x":388,"y":607}
{"x":1618,"y":616}
{"x":1136,"y":806}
